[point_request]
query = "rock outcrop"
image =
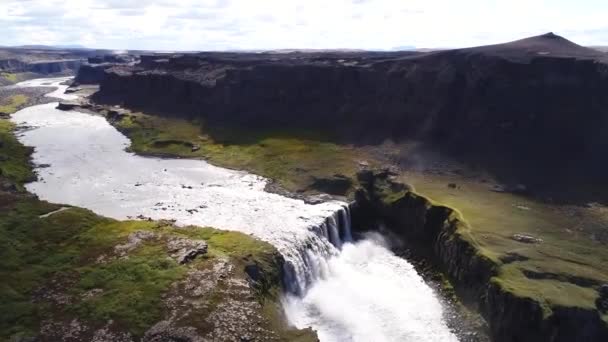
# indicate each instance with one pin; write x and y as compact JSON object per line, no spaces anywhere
{"x":93,"y":72}
{"x":185,"y":250}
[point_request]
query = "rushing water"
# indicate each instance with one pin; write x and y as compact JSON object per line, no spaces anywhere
{"x":346,"y":291}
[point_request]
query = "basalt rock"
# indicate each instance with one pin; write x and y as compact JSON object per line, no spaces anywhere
{"x":602,"y":300}
{"x":68,"y":105}
{"x":92,"y":73}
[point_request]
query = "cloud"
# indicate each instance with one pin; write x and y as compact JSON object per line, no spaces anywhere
{"x":268,"y":24}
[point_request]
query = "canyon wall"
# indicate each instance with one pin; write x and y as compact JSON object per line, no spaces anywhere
{"x":500,"y":106}
{"x":40,"y":67}
{"x":439,"y":233}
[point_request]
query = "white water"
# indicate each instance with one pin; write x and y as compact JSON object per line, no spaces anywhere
{"x":361,"y":293}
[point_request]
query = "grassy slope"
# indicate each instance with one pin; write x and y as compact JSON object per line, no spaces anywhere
{"x":567,"y":257}
{"x":293,"y":162}
{"x":60,"y":252}
{"x":46,"y":258}
{"x":11,"y":104}
{"x":8,"y":78}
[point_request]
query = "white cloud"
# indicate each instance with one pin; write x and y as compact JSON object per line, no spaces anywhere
{"x":267,"y":24}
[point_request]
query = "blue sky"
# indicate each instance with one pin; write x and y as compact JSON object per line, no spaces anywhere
{"x":272,"y":24}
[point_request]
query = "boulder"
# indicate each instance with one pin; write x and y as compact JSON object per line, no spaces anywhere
{"x":335,"y":185}
{"x":72,"y":90}
{"x":524,"y":238}
{"x":185,"y":250}
{"x":602,"y":301}
{"x":68,"y":105}
{"x":133,"y":241}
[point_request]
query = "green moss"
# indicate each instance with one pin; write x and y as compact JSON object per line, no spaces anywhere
{"x":62,"y":250}
{"x":564,"y":270}
{"x":131,"y":288}
{"x":10,"y":78}
{"x":548,"y":293}
{"x":33,"y":249}
{"x":292,"y":161}
{"x":14,"y":157}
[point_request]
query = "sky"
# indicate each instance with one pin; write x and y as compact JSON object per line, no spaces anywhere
{"x":284,"y":24}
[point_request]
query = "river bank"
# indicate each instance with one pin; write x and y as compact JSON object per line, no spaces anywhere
{"x":72,"y":273}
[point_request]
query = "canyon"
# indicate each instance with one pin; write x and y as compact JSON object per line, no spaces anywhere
{"x":481,"y":166}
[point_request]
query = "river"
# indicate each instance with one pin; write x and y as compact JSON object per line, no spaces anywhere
{"x":347,"y":291}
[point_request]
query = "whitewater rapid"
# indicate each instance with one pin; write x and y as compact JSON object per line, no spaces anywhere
{"x":346,"y":291}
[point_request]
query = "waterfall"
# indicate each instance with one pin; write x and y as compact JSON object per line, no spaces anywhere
{"x":307,"y":262}
{"x":357,"y":291}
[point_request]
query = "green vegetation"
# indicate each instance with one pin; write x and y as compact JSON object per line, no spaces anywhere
{"x":14,"y":157}
{"x":9,"y":78}
{"x":293,"y":162}
{"x":565,"y":269}
{"x":59,"y":255}
{"x":12,"y":103}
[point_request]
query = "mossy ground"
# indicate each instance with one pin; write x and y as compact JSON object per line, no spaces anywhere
{"x":14,"y":157}
{"x":293,"y":162}
{"x":564,"y":270}
{"x":12,"y":103}
{"x":10,"y":78}
{"x":59,"y":255}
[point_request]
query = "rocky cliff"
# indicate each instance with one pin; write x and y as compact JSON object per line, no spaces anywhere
{"x":93,"y":72}
{"x":20,"y":63}
{"x":515,"y":108}
{"x":440,"y":234}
